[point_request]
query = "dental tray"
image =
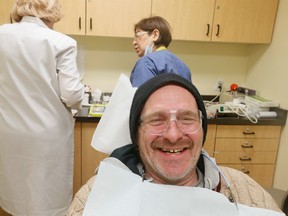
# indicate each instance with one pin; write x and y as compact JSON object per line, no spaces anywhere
{"x":97,"y":110}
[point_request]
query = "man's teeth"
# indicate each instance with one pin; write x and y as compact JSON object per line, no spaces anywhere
{"x":172,"y":150}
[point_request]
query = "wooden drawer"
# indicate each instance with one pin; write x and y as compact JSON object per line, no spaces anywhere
{"x":263,"y":174}
{"x":236,"y":157}
{"x":210,"y":139}
{"x":246,"y":145}
{"x":248,"y":131}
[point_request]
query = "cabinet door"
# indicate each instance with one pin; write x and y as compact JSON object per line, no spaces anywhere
{"x":115,"y":18}
{"x":246,"y":145}
{"x":248,"y":131}
{"x":5,"y":10}
{"x":73,"y":21}
{"x":246,"y":21}
{"x":248,"y":157}
{"x":77,"y":182}
{"x":261,"y":173}
{"x":90,"y":157}
{"x":189,"y":20}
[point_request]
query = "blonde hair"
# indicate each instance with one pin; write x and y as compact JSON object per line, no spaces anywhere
{"x":48,"y":10}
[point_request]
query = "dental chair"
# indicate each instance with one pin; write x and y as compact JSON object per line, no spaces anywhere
{"x":280,"y":197}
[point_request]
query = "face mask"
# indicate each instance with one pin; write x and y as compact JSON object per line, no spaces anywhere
{"x":149,"y":48}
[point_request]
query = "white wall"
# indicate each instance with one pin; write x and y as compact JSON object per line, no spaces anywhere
{"x":268,"y":73}
{"x":107,"y":58}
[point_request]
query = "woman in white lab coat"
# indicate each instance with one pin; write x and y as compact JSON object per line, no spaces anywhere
{"x":39,"y":86}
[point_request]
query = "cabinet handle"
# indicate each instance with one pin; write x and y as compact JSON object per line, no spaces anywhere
{"x":208,"y":29}
{"x":246,"y":146}
{"x":248,"y":132}
{"x":90,"y":23}
{"x":218,"y":30}
{"x":11,"y":20}
{"x":79,"y":23}
{"x":245,"y":159}
{"x":245,"y":171}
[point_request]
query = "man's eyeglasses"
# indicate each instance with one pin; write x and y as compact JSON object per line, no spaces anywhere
{"x":157,"y":123}
{"x":139,"y":34}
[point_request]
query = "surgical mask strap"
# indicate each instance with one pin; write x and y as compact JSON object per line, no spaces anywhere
{"x":149,"y":47}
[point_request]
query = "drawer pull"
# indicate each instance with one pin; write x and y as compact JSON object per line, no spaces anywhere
{"x":246,"y":146}
{"x":248,"y":132}
{"x":245,"y":171}
{"x":245,"y":159}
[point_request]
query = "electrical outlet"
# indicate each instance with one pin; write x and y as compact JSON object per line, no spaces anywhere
{"x":219,"y":85}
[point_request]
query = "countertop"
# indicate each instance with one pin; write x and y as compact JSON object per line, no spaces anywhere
{"x":83,"y":116}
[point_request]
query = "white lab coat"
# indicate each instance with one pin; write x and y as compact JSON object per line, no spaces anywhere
{"x":39,"y":82}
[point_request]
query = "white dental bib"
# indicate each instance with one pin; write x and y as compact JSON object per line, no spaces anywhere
{"x":120,"y":192}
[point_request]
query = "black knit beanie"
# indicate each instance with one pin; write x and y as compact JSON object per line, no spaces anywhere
{"x":145,"y":90}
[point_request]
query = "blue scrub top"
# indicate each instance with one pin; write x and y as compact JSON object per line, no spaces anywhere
{"x":152,"y":64}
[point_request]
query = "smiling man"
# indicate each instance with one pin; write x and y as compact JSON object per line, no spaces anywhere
{"x":170,"y":136}
{"x":168,"y":126}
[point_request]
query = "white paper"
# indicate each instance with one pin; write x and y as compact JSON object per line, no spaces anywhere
{"x":110,"y":196}
{"x":113,"y":128}
{"x":119,"y":192}
{"x":250,"y":211}
{"x":167,"y":200}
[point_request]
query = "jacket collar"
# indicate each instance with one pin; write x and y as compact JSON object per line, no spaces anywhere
{"x":35,"y":20}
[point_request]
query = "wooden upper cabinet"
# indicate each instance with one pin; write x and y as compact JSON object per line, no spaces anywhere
{"x":115,"y":18}
{"x":102,"y":18}
{"x":245,"y":21}
{"x":74,"y":19}
{"x":235,"y":21}
{"x":189,"y":20}
{"x":240,"y":21}
{"x":5,"y":11}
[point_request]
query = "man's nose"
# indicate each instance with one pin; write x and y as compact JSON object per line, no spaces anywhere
{"x":173,"y":132}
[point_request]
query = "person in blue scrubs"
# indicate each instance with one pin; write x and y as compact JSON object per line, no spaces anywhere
{"x":152,"y":37}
